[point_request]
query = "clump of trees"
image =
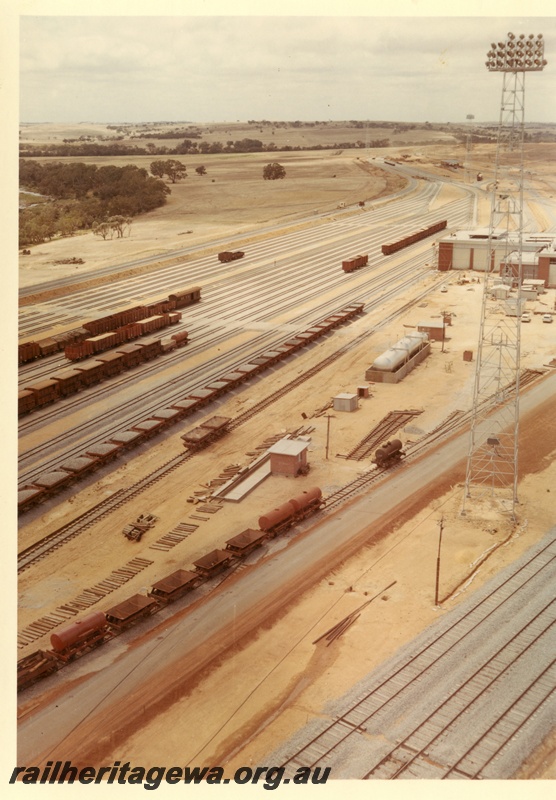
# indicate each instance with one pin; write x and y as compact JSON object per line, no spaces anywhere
{"x":83,"y":196}
{"x":174,"y":170}
{"x":114,"y":225}
{"x":274,"y":171}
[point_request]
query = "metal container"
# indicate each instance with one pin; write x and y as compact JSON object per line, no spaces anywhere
{"x":78,"y":631}
{"x":388,"y":451}
{"x":275,"y":517}
{"x":308,"y":498}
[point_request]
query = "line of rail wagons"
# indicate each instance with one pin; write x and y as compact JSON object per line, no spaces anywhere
{"x":95,"y":370}
{"x":87,"y":633}
{"x":405,"y":241}
{"x":110,"y":324}
{"x":69,"y":472}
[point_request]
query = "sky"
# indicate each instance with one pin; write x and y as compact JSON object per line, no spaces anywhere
{"x":189,"y":65}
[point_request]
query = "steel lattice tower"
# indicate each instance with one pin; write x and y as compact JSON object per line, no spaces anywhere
{"x":492,"y":462}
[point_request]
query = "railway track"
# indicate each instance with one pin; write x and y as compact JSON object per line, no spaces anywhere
{"x":56,"y":539}
{"x":453,"y":703}
{"x":453,"y":423}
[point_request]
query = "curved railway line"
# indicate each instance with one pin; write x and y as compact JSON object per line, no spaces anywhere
{"x":454,"y":702}
{"x":327,"y":243}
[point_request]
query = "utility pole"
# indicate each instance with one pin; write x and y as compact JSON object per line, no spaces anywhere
{"x":441,"y":524}
{"x":328,"y":418}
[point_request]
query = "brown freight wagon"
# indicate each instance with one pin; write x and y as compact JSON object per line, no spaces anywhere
{"x":79,"y":465}
{"x":230,"y":255}
{"x":93,"y":372}
{"x":185,"y":297}
{"x":105,"y":341}
{"x":28,"y":351}
{"x":130,"y":331}
{"x":154,"y":323}
{"x":70,"y":380}
{"x":114,"y":363}
{"x":78,"y":350}
{"x":151,"y":348}
{"x":134,"y":608}
{"x":46,"y":391}
{"x":174,"y":586}
{"x":35,"y":666}
{"x":246,"y":541}
{"x":132,"y":353}
{"x":28,"y":496}
{"x":26,"y":402}
{"x":48,"y":346}
{"x":213,"y":563}
{"x":357,"y":262}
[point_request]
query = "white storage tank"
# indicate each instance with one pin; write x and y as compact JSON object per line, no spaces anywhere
{"x":403,"y":350}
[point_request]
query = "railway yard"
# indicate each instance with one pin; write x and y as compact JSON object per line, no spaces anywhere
{"x":283,"y":616}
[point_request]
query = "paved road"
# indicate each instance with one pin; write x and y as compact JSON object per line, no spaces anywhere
{"x":104,"y":705}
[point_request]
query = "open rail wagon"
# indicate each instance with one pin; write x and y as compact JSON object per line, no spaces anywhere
{"x":351,"y":264}
{"x":124,"y":319}
{"x":99,"y":627}
{"x":393,"y":247}
{"x":207,"y":432}
{"x":230,"y":255}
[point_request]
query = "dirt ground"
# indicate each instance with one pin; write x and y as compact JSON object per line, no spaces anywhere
{"x":232,"y":200}
{"x":271,"y":683}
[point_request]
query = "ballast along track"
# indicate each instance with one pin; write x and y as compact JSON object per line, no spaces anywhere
{"x":452,"y":703}
{"x":50,"y":543}
{"x":56,"y":479}
{"x":56,"y":539}
{"x":455,"y":421}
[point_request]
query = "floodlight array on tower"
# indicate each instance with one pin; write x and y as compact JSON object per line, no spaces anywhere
{"x":517,"y":54}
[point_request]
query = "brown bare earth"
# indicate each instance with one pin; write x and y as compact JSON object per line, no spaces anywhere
{"x":273,"y":679}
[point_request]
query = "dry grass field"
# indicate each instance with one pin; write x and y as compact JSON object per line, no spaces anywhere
{"x":233,"y":199}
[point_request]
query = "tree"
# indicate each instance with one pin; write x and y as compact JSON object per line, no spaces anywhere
{"x":158,"y":169}
{"x":103,"y":229}
{"x":175,"y":169}
{"x":119,"y":224}
{"x":273,"y":172}
{"x":200,"y":170}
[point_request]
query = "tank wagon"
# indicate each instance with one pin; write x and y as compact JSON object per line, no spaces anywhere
{"x":99,"y":627}
{"x":288,"y":514}
{"x":28,"y":351}
{"x":79,"y":637}
{"x":33,"y":492}
{"x":393,"y":247}
{"x":230,"y":255}
{"x":389,"y":453}
{"x":351,"y":264}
